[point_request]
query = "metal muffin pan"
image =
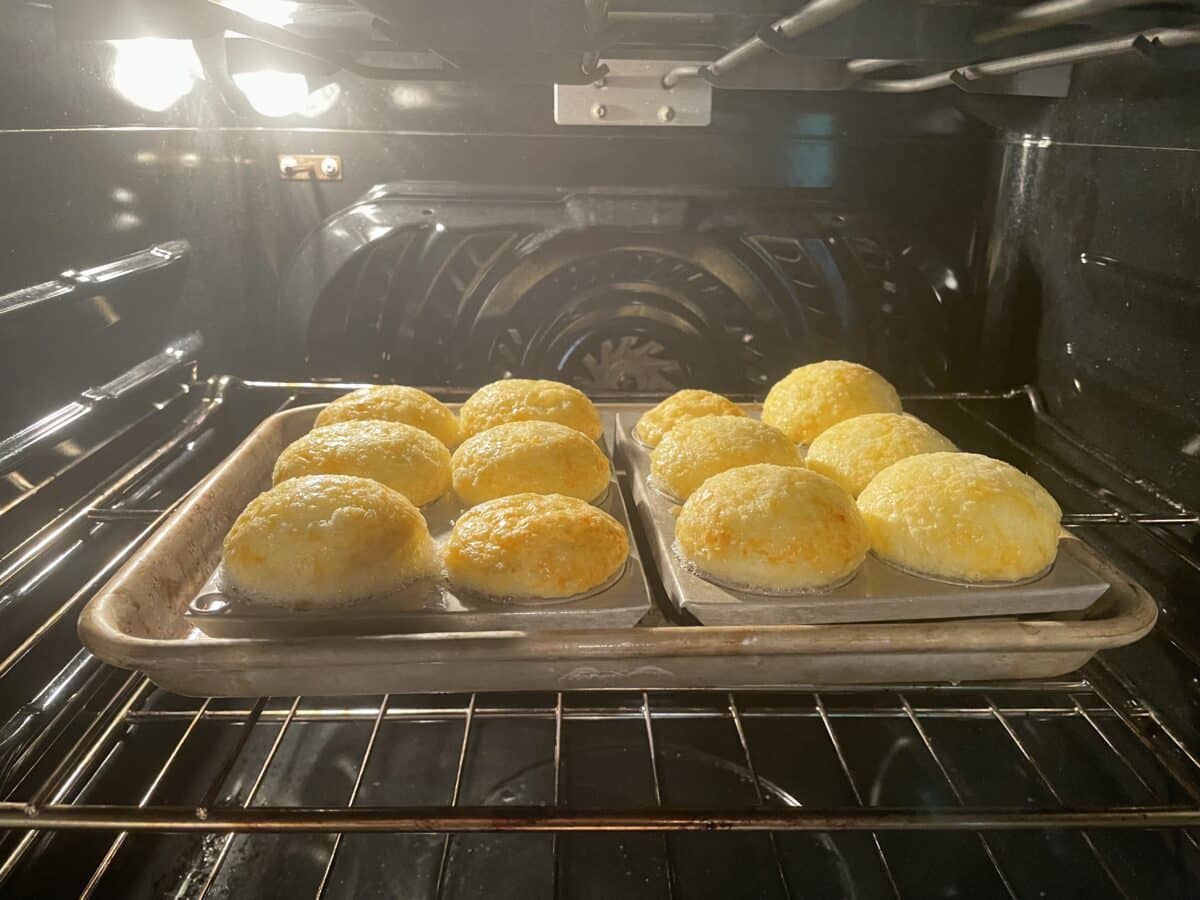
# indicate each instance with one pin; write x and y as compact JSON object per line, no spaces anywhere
{"x":431,"y":604}
{"x":138,"y":621}
{"x":879,"y":592}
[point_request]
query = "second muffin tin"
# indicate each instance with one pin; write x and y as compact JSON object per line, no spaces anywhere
{"x":879,"y":592}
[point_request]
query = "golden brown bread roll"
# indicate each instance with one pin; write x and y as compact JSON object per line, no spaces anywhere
{"x":406,"y":459}
{"x":529,"y":457}
{"x":535,"y":546}
{"x":814,"y":397}
{"x":856,"y":450}
{"x":327,"y":540}
{"x":681,"y":406}
{"x":961,"y":516}
{"x":695,"y":450}
{"x":524,"y":400}
{"x":772,"y":528}
{"x":394,"y":403}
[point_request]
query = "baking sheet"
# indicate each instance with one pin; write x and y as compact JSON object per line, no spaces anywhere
{"x":879,"y":592}
{"x":137,"y":621}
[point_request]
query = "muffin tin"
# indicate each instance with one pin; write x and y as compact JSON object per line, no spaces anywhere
{"x":432,"y":605}
{"x":879,"y":592}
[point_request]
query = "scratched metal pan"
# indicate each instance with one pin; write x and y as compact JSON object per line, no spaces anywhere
{"x":138,"y":621}
{"x":878,"y":592}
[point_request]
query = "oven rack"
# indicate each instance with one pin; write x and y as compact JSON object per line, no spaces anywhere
{"x":57,"y":751}
{"x":1162,"y":785}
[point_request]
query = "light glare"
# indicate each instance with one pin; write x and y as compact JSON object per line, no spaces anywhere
{"x":274,"y":94}
{"x":154,"y":73}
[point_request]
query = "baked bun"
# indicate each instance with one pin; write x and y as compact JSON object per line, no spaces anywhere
{"x":856,"y":450}
{"x":681,"y":407}
{"x":772,"y":528}
{"x":817,"y":396}
{"x":535,"y":546}
{"x":327,"y":540}
{"x":529,"y":457}
{"x":962,"y":517}
{"x":524,"y":400}
{"x":394,"y":403}
{"x":696,"y":450}
{"x":405,"y":458}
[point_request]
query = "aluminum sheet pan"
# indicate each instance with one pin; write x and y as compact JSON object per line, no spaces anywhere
{"x":137,"y":621}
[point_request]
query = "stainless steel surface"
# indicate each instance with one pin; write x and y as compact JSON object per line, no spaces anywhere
{"x":175,"y":357}
{"x":1075,"y":53}
{"x":877,"y":593}
{"x":1047,"y":14}
{"x":813,"y":15}
{"x":632,"y":93}
{"x":147,"y":260}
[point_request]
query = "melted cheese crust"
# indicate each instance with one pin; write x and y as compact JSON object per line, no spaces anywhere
{"x":815,"y":397}
{"x":327,"y":540}
{"x":537,"y":546}
{"x":403,"y":457}
{"x":856,"y":450}
{"x":395,"y":403}
{"x":523,"y":400}
{"x":778,"y":528}
{"x":961,"y":516}
{"x":529,"y":457}
{"x":701,"y":448}
{"x":682,"y":406}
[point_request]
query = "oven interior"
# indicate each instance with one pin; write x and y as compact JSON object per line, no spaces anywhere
{"x":1010,"y":246}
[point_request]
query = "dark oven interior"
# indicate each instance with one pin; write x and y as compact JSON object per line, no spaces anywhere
{"x":193,"y":240}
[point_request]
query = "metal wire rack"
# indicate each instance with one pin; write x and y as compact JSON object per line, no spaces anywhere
{"x":726,"y":748}
{"x":1011,"y":784}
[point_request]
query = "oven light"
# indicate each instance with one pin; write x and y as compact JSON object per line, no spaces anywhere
{"x":154,"y":72}
{"x":274,"y":94}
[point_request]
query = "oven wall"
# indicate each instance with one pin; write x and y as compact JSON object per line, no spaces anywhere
{"x":90,"y":175}
{"x":1091,"y":281}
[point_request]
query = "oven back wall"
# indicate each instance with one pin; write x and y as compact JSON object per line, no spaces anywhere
{"x":102,"y":160}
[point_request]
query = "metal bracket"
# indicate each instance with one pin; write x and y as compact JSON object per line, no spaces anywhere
{"x":310,"y":167}
{"x":632,"y":93}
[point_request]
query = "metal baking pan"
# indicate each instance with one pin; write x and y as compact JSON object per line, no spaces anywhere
{"x":877,"y":593}
{"x":431,"y":605}
{"x":137,"y":621}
